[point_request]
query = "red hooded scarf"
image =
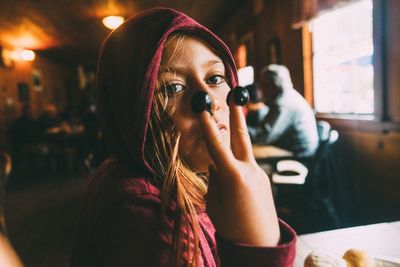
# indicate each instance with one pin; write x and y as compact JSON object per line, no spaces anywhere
{"x":120,"y":223}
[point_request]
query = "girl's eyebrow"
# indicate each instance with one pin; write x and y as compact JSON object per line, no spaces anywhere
{"x":213,"y":62}
{"x":170,"y":69}
{"x":180,"y":68}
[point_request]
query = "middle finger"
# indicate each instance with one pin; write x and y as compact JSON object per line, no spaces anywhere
{"x":240,"y":139}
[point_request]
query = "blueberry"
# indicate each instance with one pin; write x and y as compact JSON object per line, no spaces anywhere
{"x":240,"y":94}
{"x":201,"y":101}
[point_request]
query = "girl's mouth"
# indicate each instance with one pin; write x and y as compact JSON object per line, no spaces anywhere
{"x":222,"y":127}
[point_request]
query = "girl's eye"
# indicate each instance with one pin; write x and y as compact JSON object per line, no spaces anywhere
{"x":215,"y":79}
{"x":173,"y":88}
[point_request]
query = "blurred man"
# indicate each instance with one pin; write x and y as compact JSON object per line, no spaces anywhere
{"x":290,"y":123}
{"x":257,"y":110}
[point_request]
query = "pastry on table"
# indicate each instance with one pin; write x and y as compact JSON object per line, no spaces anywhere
{"x":358,"y":258}
{"x":320,"y":259}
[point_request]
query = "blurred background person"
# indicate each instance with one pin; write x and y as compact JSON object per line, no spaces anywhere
{"x":24,"y":130}
{"x":290,"y":122}
{"x":88,"y":94}
{"x":50,"y":121}
{"x":257,"y":110}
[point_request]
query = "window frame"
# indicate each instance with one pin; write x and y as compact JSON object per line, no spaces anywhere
{"x":380,"y":112}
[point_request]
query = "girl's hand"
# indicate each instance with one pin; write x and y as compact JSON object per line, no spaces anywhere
{"x":239,"y":198}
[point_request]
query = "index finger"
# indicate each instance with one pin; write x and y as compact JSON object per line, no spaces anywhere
{"x":217,"y":141}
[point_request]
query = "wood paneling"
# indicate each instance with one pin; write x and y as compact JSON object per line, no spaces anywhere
{"x":372,"y":162}
{"x":273,"y":21}
{"x":393,"y":57}
{"x":375,"y":155}
{"x":57,"y":80}
{"x":369,"y":148}
{"x":72,"y":30}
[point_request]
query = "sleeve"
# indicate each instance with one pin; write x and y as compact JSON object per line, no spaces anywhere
{"x":282,"y":255}
{"x":272,"y":127}
{"x":130,"y":235}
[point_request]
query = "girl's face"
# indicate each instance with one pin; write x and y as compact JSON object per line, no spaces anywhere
{"x":188,"y":65}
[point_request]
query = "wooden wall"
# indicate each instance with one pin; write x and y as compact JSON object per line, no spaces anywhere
{"x":369,"y":149}
{"x":374,"y":159}
{"x":392,"y":46}
{"x":268,"y":20}
{"x":370,"y":153}
{"x":57,"y":82}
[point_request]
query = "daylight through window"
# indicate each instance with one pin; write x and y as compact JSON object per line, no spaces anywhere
{"x":342,"y":60}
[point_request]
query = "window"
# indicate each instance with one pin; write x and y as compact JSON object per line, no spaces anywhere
{"x":343,"y":70}
{"x":246,"y":75}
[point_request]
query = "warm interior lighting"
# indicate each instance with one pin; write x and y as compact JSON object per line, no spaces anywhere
{"x":23,"y":54}
{"x":241,"y":56}
{"x":112,"y":22}
{"x":27,"y":33}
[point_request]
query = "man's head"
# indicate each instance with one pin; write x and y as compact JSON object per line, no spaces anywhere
{"x":273,"y":80}
{"x":50,"y":110}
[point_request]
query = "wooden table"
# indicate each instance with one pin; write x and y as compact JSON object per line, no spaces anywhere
{"x":263,"y":152}
{"x":268,"y":156}
{"x":381,"y":239}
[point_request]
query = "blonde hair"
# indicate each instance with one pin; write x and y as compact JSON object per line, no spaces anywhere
{"x":178,"y":182}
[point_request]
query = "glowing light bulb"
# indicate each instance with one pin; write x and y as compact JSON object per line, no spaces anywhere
{"x":23,"y":54}
{"x":112,"y":22}
{"x":28,"y":55}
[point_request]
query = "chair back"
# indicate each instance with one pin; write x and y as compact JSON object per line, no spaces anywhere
{"x":5,"y":169}
{"x":327,"y":137}
{"x":323,"y":172}
{"x":333,"y":137}
{"x":324,"y":129}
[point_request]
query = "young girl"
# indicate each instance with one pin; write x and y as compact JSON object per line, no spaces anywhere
{"x":181,"y":189}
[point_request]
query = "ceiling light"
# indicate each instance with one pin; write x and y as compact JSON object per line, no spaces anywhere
{"x":112,"y":22}
{"x":23,"y":54}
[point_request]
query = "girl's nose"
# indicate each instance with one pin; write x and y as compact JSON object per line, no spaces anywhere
{"x":216,"y":103}
{"x":213,"y":97}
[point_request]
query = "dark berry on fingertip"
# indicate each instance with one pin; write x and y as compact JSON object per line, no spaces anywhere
{"x":241,"y":95}
{"x":201,"y":101}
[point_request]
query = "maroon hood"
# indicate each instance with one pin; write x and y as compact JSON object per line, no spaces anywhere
{"x":127,"y":73}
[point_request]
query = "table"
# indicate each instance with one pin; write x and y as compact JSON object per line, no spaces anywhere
{"x":381,"y":239}
{"x":263,"y":152}
{"x":268,"y":156}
